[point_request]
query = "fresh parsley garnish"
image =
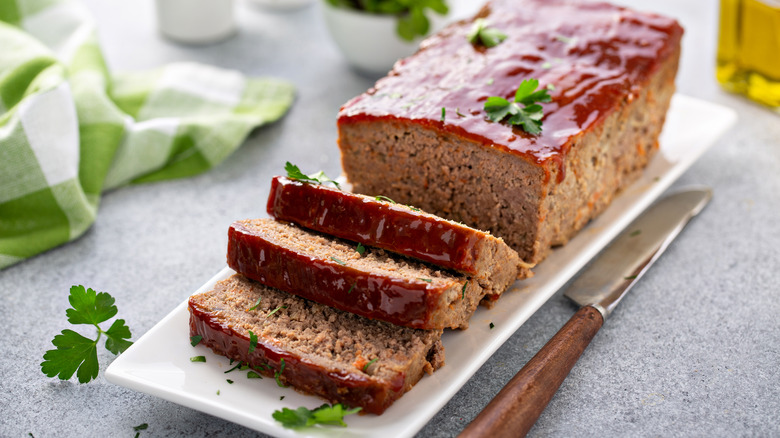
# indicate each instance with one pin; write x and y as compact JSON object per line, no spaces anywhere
{"x":198,"y":359}
{"x":257,"y":303}
{"x":218,"y":392}
{"x":252,"y":341}
{"x":443,"y":113}
{"x":337,"y":260}
{"x":195,"y":340}
{"x":360,"y":249}
{"x":635,"y":233}
{"x":253,"y":375}
{"x":427,"y":280}
{"x":76,"y":353}
{"x":238,"y":365}
{"x":530,"y":116}
{"x":278,"y":374}
{"x":630,"y":277}
{"x":384,"y":198}
{"x":365,"y":367}
{"x":482,"y":34}
{"x":463,"y":291}
{"x":229,"y":381}
{"x":137,"y":429}
{"x":492,"y":325}
{"x":293,"y":172}
{"x":350,"y":289}
{"x":275,"y":310}
{"x":303,"y":417}
{"x":281,"y":398}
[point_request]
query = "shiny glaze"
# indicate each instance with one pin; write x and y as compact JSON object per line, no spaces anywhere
{"x":596,"y":56}
{"x":375,"y":223}
{"x":373,"y":394}
{"x":398,"y":301}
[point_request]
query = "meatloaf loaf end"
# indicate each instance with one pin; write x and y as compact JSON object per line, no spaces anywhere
{"x":406,"y":230}
{"x":372,"y":283}
{"x":341,"y":357}
{"x":421,"y":136}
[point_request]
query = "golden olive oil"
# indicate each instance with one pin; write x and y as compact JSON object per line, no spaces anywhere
{"x":749,"y":49}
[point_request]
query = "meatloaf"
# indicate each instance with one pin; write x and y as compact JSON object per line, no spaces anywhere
{"x":336,"y":355}
{"x":421,"y":135}
{"x":370,"y":282}
{"x":379,"y":221}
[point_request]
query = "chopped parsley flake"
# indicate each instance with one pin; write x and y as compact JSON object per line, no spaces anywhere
{"x":360,"y":248}
{"x":427,"y":280}
{"x":238,"y":365}
{"x":337,"y":260}
{"x":198,"y":359}
{"x":281,"y":398}
{"x":635,"y":233}
{"x":229,"y":381}
{"x":630,"y":277}
{"x":463,"y":291}
{"x":365,"y":367}
{"x":482,"y":34}
{"x":350,"y":289}
{"x":443,"y":113}
{"x":278,"y":374}
{"x":492,"y":325}
{"x":252,"y":341}
{"x":303,"y":417}
{"x":143,"y":426}
{"x":384,"y":198}
{"x":253,"y":375}
{"x":255,"y":306}
{"x":195,"y":340}
{"x":275,"y":310}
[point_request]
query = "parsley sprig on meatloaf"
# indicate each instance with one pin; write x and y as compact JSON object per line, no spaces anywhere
{"x":294,"y":172}
{"x":529,"y":117}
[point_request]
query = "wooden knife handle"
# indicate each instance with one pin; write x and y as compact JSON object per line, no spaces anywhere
{"x":514,"y":410}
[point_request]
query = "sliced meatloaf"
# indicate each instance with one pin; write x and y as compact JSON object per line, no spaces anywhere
{"x":380,"y":222}
{"x":336,"y":355}
{"x":421,"y":135}
{"x":371,"y":282}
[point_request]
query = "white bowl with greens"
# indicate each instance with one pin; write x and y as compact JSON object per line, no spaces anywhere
{"x":373,"y":34}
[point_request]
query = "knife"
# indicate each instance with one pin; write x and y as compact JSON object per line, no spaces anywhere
{"x":598,"y":289}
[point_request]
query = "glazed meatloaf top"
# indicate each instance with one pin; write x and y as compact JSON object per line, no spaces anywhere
{"x":337,"y":355}
{"x":380,"y":222}
{"x":592,"y":56}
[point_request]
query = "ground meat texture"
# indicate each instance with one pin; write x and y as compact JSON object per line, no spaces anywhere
{"x":375,"y":284}
{"x":326,"y":352}
{"x":612,"y":72}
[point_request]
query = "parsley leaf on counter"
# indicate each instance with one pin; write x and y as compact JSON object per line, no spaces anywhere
{"x":293,"y":172}
{"x":530,"y":116}
{"x":482,"y":34}
{"x":303,"y":417}
{"x":76,"y":353}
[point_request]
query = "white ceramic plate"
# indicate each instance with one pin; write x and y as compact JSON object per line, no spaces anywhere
{"x":159,"y":362}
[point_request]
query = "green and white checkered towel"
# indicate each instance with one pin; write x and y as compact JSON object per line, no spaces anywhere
{"x":69,"y":130}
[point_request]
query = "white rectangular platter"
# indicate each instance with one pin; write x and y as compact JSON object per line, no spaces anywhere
{"x":159,"y":362}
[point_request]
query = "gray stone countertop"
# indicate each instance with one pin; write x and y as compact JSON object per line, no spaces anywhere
{"x":694,"y":350}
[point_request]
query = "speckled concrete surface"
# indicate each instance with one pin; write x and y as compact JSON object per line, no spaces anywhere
{"x":692,"y":351}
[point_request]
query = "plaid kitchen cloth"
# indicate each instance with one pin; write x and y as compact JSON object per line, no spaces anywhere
{"x":70,"y":130}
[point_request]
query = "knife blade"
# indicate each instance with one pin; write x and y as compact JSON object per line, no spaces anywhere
{"x":597,"y":289}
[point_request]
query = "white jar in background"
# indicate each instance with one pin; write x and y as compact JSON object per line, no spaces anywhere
{"x":282,"y":5}
{"x":196,"y":21}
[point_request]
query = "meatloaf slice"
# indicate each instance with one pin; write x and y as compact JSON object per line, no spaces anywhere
{"x":336,"y":355}
{"x":421,"y":135}
{"x":375,"y":284}
{"x":380,"y":222}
